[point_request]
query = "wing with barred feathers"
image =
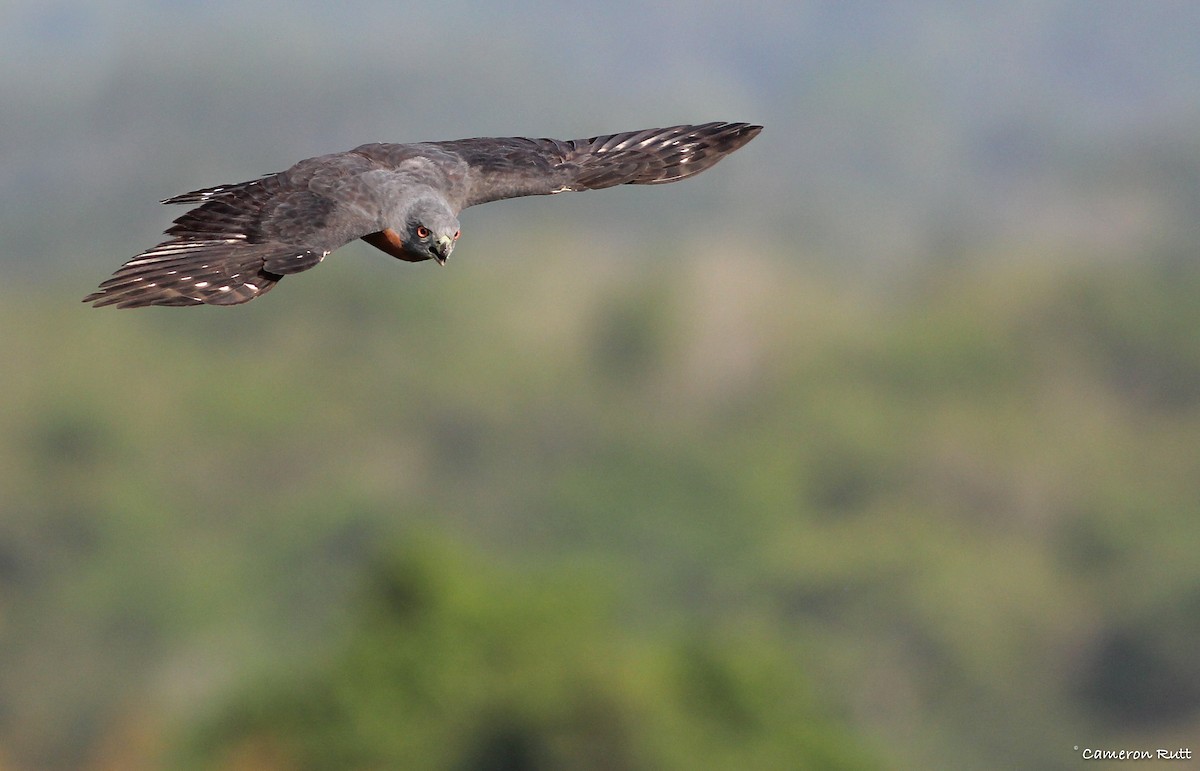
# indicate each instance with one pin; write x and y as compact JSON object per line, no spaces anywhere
{"x":508,"y":168}
{"x":241,"y":239}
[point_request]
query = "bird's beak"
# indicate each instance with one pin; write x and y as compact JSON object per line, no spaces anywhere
{"x":442,"y":248}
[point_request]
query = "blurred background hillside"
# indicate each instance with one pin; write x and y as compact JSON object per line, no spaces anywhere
{"x":874,"y":447}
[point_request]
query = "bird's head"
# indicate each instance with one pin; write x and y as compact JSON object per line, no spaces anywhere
{"x":431,"y":229}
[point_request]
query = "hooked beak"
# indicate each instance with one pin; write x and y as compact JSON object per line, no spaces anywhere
{"x":442,"y":248}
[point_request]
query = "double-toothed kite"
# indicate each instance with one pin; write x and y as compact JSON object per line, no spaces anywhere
{"x":401,"y":198}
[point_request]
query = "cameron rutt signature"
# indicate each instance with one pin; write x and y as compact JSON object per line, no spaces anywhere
{"x":1093,"y":753}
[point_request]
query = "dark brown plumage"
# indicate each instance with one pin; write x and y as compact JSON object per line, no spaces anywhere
{"x":404,"y":199}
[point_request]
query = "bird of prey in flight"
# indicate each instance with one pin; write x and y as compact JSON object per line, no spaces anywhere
{"x":404,"y":199}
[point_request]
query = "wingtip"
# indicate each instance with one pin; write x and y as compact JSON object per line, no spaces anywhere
{"x":740,"y":134}
{"x":99,"y":299}
{"x":748,"y":130}
{"x":103,"y":298}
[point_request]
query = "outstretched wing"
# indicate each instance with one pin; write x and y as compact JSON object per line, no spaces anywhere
{"x":507,"y":168}
{"x":241,"y":239}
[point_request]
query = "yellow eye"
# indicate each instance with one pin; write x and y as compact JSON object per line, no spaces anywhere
{"x":422,"y":231}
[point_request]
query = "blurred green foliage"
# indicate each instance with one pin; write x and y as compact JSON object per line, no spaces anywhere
{"x":450,"y":664}
{"x":702,"y":512}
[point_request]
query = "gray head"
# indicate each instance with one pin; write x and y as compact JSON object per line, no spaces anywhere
{"x":430,"y":228}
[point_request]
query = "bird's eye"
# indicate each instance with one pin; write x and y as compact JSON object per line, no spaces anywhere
{"x":457,"y":233}
{"x":422,"y":231}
